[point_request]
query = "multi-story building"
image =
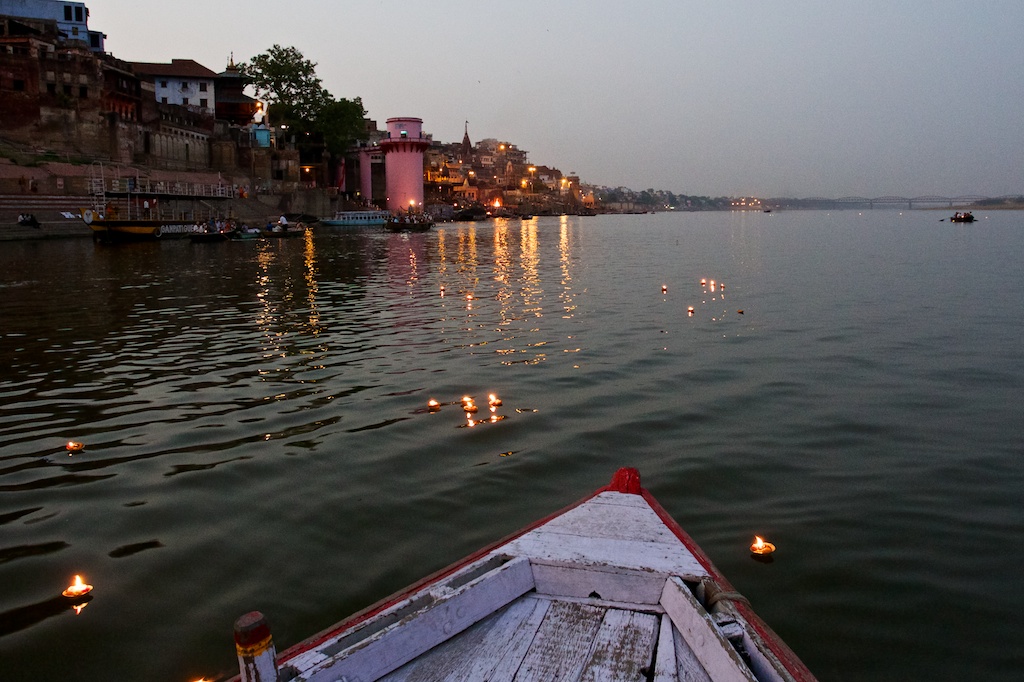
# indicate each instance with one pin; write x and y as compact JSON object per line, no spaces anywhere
{"x":72,"y":19}
{"x":185,"y":82}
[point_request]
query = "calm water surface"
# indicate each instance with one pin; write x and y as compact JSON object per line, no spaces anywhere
{"x":256,"y":432}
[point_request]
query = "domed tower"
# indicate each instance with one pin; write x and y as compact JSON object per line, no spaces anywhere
{"x":403,"y":163}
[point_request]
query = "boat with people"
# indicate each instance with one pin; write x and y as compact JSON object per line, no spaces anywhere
{"x":962,"y":217}
{"x":112,"y":228}
{"x":284,"y":231}
{"x":609,"y":588}
{"x":355,"y":219}
{"x":413,"y":222}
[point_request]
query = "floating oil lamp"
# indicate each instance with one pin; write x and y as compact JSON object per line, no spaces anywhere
{"x":689,"y":311}
{"x":493,"y":400}
{"x":470,"y":408}
{"x":761,"y":547}
{"x":664,"y":289}
{"x":712,"y":285}
{"x":77,"y":588}
{"x":74,"y":446}
{"x":433,"y":405}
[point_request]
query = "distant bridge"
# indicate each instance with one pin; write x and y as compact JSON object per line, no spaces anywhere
{"x":894,"y":201}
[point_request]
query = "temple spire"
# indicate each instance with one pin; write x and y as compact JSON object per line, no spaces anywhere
{"x":467,"y":146}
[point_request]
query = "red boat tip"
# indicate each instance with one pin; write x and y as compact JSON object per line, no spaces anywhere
{"x":626,"y":480}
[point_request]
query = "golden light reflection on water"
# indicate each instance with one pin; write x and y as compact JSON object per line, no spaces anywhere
{"x":564,"y":256}
{"x":513,"y":253}
{"x":312,"y":285}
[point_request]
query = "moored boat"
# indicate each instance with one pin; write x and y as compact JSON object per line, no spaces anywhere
{"x":610,"y":588}
{"x":137,"y":229}
{"x":962,"y":217}
{"x":351,"y":219}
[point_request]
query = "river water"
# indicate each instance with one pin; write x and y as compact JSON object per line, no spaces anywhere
{"x":256,"y":433}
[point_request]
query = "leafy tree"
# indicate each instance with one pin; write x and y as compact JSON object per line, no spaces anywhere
{"x":340,"y":123}
{"x":287,"y":81}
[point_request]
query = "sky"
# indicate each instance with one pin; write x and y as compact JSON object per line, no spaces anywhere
{"x":793,"y":98}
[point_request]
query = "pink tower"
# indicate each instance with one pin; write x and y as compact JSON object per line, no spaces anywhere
{"x":403,"y":163}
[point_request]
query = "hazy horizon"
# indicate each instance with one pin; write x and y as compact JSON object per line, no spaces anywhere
{"x":909,"y":99}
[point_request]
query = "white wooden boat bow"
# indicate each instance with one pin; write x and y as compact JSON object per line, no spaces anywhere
{"x":610,"y":588}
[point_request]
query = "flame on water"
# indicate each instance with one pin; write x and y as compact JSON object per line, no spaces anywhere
{"x":758,"y":542}
{"x":77,"y":588}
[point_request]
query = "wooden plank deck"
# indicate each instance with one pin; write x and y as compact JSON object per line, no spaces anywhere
{"x":536,"y":639}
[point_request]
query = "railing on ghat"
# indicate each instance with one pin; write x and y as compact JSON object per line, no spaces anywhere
{"x":185,"y":189}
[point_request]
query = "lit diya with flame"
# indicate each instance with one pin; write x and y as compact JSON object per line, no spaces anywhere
{"x":761,"y":547}
{"x":468,"y":405}
{"x":74,"y":446}
{"x":433,"y":405}
{"x":77,"y":588}
{"x":493,"y":400}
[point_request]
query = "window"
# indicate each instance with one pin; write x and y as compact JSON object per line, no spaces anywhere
{"x":67,"y":12}
{"x":204,"y":103}
{"x":19,"y":85}
{"x":51,"y":88}
{"x":202,"y":87}
{"x":184,"y":85}
{"x":83,"y":92}
{"x":67,"y":90}
{"x":184,"y":101}
{"x":163,"y":84}
{"x":78,"y":14}
{"x":163,"y":100}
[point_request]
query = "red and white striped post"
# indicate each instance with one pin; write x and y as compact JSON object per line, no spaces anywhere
{"x":257,"y":658}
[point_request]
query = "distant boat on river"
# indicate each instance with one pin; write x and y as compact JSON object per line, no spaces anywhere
{"x":416,"y":222}
{"x":353,"y":219}
{"x":965,"y":217}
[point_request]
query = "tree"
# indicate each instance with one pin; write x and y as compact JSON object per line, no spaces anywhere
{"x":341,"y":122}
{"x":287,"y":81}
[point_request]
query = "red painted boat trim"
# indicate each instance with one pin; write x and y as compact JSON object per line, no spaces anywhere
{"x":626,"y":480}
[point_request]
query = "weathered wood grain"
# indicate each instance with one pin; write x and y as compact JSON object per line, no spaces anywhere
{"x":623,"y":649}
{"x":490,"y":650}
{"x":715,"y":653}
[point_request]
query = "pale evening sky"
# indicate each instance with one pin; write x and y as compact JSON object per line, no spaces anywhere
{"x":796,"y":98}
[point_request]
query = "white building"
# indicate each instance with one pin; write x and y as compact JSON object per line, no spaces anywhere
{"x":72,"y":18}
{"x":183,"y":81}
